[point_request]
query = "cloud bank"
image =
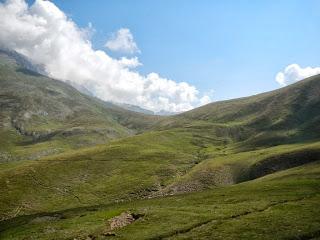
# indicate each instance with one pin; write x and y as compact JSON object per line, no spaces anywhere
{"x":293,"y":73}
{"x":47,"y":36}
{"x":122,"y":41}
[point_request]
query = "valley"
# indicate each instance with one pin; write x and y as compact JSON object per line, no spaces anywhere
{"x":71,"y":164}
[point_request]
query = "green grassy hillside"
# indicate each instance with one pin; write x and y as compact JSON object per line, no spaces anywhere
{"x":148,"y":165}
{"x":40,"y":116}
{"x":286,"y":115}
{"x":240,"y":169}
{"x":283,"y":205}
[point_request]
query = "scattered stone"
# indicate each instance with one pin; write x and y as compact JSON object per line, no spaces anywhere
{"x":120,"y":221}
{"x":5,"y":157}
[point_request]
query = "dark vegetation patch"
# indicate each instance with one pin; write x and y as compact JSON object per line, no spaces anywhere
{"x":282,"y":162}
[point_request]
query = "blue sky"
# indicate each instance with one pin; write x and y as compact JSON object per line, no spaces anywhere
{"x":232,"y":47}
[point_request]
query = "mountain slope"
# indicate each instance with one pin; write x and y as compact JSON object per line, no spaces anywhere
{"x":289,"y":114}
{"x":148,"y":165}
{"x":266,"y":146}
{"x":236,"y":135}
{"x":41,"y":116}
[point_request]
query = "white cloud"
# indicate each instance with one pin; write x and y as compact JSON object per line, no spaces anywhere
{"x":122,"y":41}
{"x":205,"y":100}
{"x":129,"y":62}
{"x":293,"y":73}
{"x":47,"y":36}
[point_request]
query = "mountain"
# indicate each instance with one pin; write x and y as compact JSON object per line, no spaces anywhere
{"x":138,"y":109}
{"x":42,"y":116}
{"x":134,"y":108}
{"x":165,"y":113}
{"x":80,"y":88}
{"x":289,"y":114}
{"x":23,"y":62}
{"x":88,"y":169}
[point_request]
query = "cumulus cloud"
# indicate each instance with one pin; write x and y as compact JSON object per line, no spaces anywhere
{"x":293,"y":73}
{"x":129,"y":62}
{"x":122,"y":41}
{"x":47,"y":36}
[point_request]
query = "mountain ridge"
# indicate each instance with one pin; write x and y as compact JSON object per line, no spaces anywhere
{"x":293,"y":109}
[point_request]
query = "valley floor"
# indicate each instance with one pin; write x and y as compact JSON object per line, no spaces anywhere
{"x":283,"y":205}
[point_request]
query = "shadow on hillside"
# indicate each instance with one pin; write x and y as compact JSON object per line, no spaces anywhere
{"x":29,"y":72}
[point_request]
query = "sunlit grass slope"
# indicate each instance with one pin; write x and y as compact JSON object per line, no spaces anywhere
{"x":148,"y":165}
{"x":124,"y":169}
{"x":283,"y":205}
